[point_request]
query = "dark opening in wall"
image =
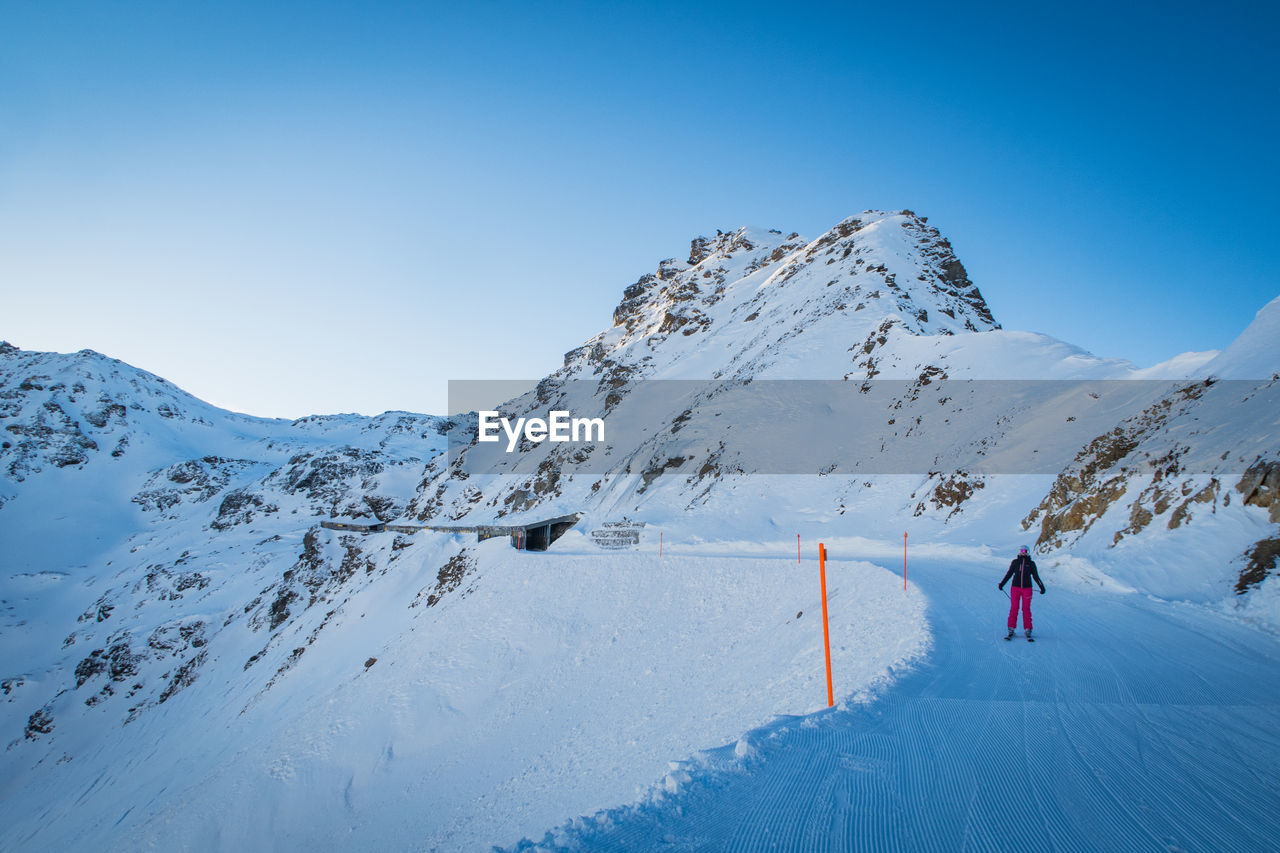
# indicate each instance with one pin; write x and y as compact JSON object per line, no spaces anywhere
{"x":539,"y":537}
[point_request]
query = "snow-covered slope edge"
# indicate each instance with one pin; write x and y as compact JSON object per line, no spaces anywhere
{"x":549,"y":685}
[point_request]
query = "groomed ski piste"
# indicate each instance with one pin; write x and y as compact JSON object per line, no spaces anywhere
{"x":1131,"y":724}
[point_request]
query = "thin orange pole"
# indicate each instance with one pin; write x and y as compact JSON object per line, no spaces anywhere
{"x":659,"y":543}
{"x":826,"y":632}
{"x":904,"y":562}
{"x":797,"y":549}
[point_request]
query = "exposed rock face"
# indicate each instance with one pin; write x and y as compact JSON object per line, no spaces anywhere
{"x":52,"y":437}
{"x":1102,"y":474}
{"x":240,"y":507}
{"x":1260,"y":486}
{"x":448,"y":579}
{"x":951,"y":493}
{"x":126,"y":666}
{"x":330,"y":479}
{"x":699,"y":248}
{"x":39,"y":723}
{"x":192,"y":481}
{"x":1260,"y":563}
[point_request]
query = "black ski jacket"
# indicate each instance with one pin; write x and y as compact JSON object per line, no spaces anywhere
{"x":1023,"y":571}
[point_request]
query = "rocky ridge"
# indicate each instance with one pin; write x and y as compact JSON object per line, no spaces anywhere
{"x":223,"y":548}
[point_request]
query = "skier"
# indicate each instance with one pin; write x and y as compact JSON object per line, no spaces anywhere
{"x":1023,"y":571}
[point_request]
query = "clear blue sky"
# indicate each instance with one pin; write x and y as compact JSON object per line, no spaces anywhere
{"x":319,"y":207}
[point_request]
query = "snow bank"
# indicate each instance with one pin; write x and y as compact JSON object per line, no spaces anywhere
{"x":554,"y":685}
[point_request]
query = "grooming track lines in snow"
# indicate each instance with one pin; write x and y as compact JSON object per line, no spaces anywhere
{"x":1148,"y":727}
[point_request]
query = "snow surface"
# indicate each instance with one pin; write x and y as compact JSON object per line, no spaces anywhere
{"x":1131,"y":724}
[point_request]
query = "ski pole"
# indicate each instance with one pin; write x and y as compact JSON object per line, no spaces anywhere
{"x":1010,"y":597}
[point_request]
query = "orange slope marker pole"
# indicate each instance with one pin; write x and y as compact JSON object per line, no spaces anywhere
{"x":659,"y":543}
{"x":826,"y":632}
{"x":797,"y":549}
{"x":904,"y":562}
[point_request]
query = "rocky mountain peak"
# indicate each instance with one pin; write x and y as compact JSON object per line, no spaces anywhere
{"x":751,"y":290}
{"x":726,"y":243}
{"x":915,"y":260}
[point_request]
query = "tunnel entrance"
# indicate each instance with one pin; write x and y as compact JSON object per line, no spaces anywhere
{"x":539,"y":536}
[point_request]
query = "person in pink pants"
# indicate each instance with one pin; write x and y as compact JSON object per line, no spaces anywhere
{"x":1022,"y":571}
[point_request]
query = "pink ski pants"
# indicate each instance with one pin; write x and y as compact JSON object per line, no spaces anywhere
{"x":1023,"y":594}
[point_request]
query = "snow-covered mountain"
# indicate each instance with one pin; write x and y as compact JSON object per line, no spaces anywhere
{"x":881,"y":303}
{"x":879,"y":297}
{"x":193,"y":661}
{"x":125,"y":500}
